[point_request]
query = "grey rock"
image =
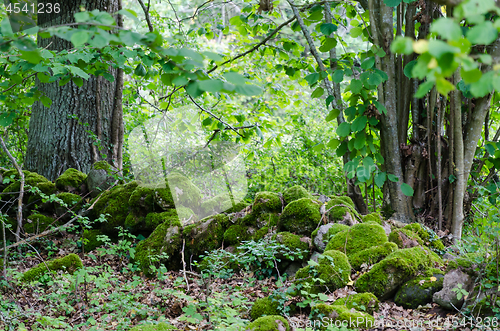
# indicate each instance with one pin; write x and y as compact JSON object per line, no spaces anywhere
{"x":315,"y":256}
{"x":318,"y":240}
{"x":447,"y":298}
{"x":418,"y":292}
{"x":99,"y":180}
{"x":292,"y":268}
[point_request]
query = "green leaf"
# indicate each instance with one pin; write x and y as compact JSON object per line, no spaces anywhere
{"x":140,"y":70}
{"x":392,"y":3}
{"x":344,"y":129}
{"x":79,"y":38}
{"x":363,"y":174}
{"x":329,"y":100}
{"x":356,"y":86}
{"x":409,"y":68}
{"x":438,"y":48}
{"x":368,"y":63}
{"x":319,"y":147}
{"x":6,"y":119}
{"x":248,"y":90}
{"x":424,"y":88}
{"x":211,"y":85}
{"x":78,"y":81}
{"x":360,"y":140}
{"x":380,"y":179}
{"x":328,"y":44}
{"x":333,"y":143}
{"x":338,"y":76}
{"x":317,"y":92}
{"x":447,"y":28}
{"x":327,"y":28}
{"x":193,"y":90}
{"x":482,"y":34}
{"x":47,"y":102}
{"x":312,"y":78}
{"x":471,"y":76}
{"x":483,"y":86}
{"x":44,"y":78}
{"x":444,"y":87}
{"x":380,"y":107}
{"x":407,"y":190}
{"x":402,"y":45}
{"x":235,"y":78}
{"x":82,"y":16}
{"x":356,"y":32}
{"x":392,"y":178}
{"x":213,"y":56}
{"x":130,"y":14}
{"x":359,"y":123}
{"x":333,"y":114}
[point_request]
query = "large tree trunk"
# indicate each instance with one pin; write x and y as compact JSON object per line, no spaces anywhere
{"x":381,"y":20}
{"x":84,"y":124}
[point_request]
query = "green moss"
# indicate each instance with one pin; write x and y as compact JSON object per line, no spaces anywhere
{"x":371,"y":255}
{"x":387,"y":275}
{"x":366,"y":302}
{"x":91,"y":241}
{"x":163,"y":198}
{"x":418,"y":291}
{"x":206,"y":235}
{"x":32,"y":179}
{"x":466,"y":262}
{"x":333,"y":269}
{"x":115,"y":203}
{"x":141,"y":200}
{"x":359,"y":237}
{"x":260,"y":233}
{"x":69,"y":263}
{"x":165,"y":239}
{"x":38,"y":223}
{"x":405,"y":238}
{"x":428,"y":236}
{"x":292,"y":241}
{"x":237,"y":207}
{"x":184,"y":192}
{"x":268,"y":323}
{"x":333,"y":313}
{"x":341,"y":206}
{"x":295,"y":193}
{"x":333,"y":230}
{"x":266,"y":202}
{"x":373,"y":217}
{"x":70,"y":199}
{"x":154,"y":327}
{"x":102,"y":165}
{"x":236,"y":234}
{"x":263,"y":307}
{"x":153,"y":220}
{"x":70,"y":180}
{"x":300,"y":216}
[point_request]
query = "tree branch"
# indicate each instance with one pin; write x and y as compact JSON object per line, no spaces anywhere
{"x":146,"y":13}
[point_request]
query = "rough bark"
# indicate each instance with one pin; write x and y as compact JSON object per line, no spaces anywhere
{"x":381,"y":19}
{"x":461,"y":180}
{"x":60,"y":137}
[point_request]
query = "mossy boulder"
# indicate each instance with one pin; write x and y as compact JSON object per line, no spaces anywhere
{"x":38,"y":223}
{"x":153,"y":220}
{"x":71,"y":180}
{"x":184,"y":192}
{"x":418,"y":291}
{"x":115,"y":203}
{"x":295,"y":193}
{"x":141,"y":200}
{"x":300,"y":216}
{"x":342,"y":315}
{"x":428,"y":236}
{"x":70,"y":200}
{"x":342,"y":210}
{"x":30,"y":179}
{"x":268,"y":323}
{"x":468,"y":262}
{"x":373,"y":217}
{"x":260,"y":233}
{"x":237,"y":207}
{"x":259,"y":220}
{"x":266,"y":202}
{"x":398,"y":267}
{"x":372,"y":255}
{"x":154,"y":327}
{"x":90,"y":239}
{"x":322,"y":235}
{"x":405,"y":238}
{"x":101,"y":177}
{"x":163,"y":197}
{"x":366,"y":302}
{"x":293,"y":242}
{"x":69,"y":263}
{"x":166,"y":239}
{"x":207,"y":234}
{"x":359,"y":237}
{"x":264,"y":307}
{"x":237,"y":233}
{"x":333,"y":269}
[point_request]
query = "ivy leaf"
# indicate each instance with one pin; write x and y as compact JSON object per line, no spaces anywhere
{"x":407,"y":190}
{"x":317,"y":92}
{"x":327,"y":28}
{"x":344,"y":129}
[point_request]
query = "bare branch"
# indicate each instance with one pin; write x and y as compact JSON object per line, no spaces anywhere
{"x":146,"y":13}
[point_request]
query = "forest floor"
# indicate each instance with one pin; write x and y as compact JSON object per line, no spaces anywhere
{"x":108,"y":294}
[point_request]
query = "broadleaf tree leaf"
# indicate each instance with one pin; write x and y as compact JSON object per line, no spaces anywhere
{"x":344,"y":129}
{"x":327,"y":28}
{"x":407,"y":190}
{"x":333,"y":114}
{"x":317,"y":92}
{"x":392,"y":3}
{"x":380,"y":179}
